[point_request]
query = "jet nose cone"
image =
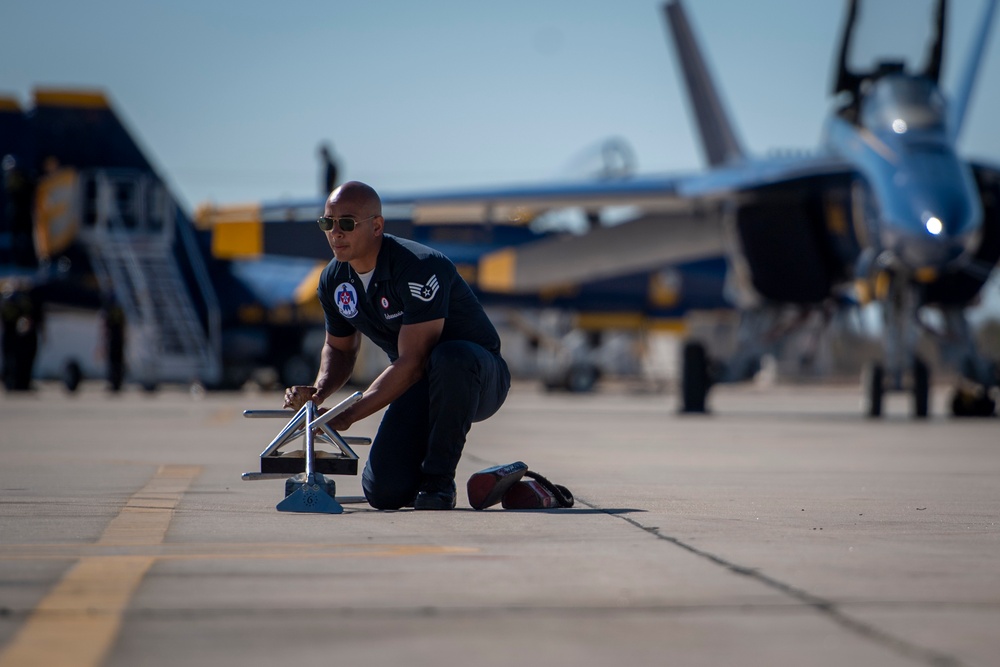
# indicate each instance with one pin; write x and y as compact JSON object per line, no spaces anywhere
{"x":922,"y":253}
{"x":938,"y":233}
{"x":949,"y":215}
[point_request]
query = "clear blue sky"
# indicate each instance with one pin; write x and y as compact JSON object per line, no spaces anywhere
{"x":231,"y":99}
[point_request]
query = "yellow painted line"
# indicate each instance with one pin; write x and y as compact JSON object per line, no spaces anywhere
{"x":222,"y":416}
{"x":358,"y":551}
{"x":225,"y":551}
{"x":147,"y":514}
{"x":78,"y":621}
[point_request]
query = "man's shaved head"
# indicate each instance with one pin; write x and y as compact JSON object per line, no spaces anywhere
{"x":359,"y":197}
{"x":358,"y":247}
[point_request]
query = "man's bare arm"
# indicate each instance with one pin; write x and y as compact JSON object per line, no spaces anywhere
{"x":415,"y":344}
{"x":336,"y":364}
{"x":335,"y":367}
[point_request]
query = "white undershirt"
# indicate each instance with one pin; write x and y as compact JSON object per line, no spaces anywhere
{"x":366,"y":278}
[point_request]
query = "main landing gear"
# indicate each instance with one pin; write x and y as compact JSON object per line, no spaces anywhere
{"x":966,"y":400}
{"x":695,"y":378}
{"x":874,"y":388}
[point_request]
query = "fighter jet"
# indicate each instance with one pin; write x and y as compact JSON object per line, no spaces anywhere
{"x":884,"y":210}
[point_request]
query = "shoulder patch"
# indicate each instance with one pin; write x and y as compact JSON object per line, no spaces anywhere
{"x":426,"y":291}
{"x":347,"y":299}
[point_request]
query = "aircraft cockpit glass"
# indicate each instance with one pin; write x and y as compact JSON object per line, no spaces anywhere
{"x":903,"y":104}
{"x":892,"y":30}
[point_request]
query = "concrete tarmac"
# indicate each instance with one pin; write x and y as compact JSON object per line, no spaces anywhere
{"x":783,"y":529}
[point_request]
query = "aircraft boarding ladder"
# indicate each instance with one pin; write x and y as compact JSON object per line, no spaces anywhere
{"x":128,"y":232}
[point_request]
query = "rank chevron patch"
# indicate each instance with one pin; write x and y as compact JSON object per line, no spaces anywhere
{"x":427,"y":291}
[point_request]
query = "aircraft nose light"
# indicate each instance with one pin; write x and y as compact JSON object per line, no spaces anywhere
{"x":934,"y":225}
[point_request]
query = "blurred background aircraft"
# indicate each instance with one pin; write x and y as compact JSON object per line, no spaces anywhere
{"x":99,"y":250}
{"x":443,"y":93}
{"x":884,"y":210}
{"x":625,"y":89}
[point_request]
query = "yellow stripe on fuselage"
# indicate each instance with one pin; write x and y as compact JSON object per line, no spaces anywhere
{"x":237,"y":231}
{"x":207,"y":215}
{"x":306,"y":291}
{"x":671,"y":325}
{"x":238,"y":240}
{"x":58,"y":97}
{"x":630,"y":321}
{"x":496,"y":271}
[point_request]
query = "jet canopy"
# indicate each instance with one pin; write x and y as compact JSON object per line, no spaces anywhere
{"x":890,"y":37}
{"x":903,"y":103}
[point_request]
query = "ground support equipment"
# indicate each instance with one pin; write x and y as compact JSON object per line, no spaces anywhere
{"x":308,"y":490}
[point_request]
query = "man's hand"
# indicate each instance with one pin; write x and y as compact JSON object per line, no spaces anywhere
{"x":296,"y":397}
{"x":341,"y":422}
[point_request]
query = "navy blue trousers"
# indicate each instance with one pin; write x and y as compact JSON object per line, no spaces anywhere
{"x":423,"y":431}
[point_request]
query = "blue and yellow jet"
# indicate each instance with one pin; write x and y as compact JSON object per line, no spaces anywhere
{"x":885,"y":210}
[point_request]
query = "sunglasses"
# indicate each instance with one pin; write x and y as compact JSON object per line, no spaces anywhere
{"x":345,"y":224}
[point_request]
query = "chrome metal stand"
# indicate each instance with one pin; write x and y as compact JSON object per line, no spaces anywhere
{"x":307,"y":490}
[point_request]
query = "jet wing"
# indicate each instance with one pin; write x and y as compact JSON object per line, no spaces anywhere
{"x":650,"y":241}
{"x":677,"y":219}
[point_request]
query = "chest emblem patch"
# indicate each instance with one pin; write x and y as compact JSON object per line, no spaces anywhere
{"x":385,"y":303}
{"x":347,"y":299}
{"x":427,"y":291}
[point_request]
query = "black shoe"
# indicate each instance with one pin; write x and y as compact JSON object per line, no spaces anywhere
{"x":436,"y":495}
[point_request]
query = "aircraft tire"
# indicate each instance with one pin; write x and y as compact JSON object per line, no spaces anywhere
{"x":581,"y":378}
{"x":921,"y":389}
{"x":694,"y":378}
{"x":72,"y":376}
{"x":965,"y":403}
{"x":873,"y":386}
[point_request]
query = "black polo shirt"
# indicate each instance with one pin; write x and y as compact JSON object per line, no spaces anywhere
{"x":411,"y":284}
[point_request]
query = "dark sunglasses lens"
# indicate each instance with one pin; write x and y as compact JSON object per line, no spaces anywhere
{"x":345,"y":224}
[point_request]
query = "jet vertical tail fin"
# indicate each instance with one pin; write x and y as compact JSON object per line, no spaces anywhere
{"x":963,"y":93}
{"x":718,"y":139}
